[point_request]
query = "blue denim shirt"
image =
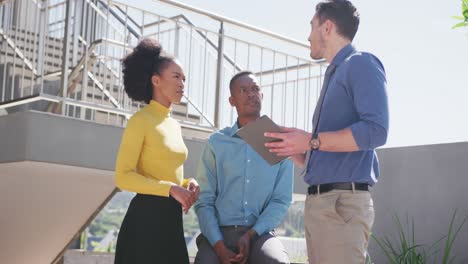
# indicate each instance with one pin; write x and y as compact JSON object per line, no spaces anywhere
{"x":238,"y":187}
{"x":356,"y":98}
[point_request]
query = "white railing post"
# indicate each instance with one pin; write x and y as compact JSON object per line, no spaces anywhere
{"x":176,"y":38}
{"x":65,"y":54}
{"x":219,"y":78}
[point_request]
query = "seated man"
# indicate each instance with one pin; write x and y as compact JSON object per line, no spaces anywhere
{"x":242,"y":197}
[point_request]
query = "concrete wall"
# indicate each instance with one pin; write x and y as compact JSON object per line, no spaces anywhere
{"x":49,"y":138}
{"x":36,"y":136}
{"x":43,"y":206}
{"x":425,"y":183}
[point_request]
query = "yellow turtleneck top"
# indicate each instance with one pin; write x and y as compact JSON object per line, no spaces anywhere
{"x":152,"y":153}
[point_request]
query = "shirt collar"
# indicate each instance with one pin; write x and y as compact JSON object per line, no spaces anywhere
{"x":234,"y":129}
{"x":343,"y":54}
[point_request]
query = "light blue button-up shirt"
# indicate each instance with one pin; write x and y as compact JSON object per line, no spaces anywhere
{"x":238,"y":187}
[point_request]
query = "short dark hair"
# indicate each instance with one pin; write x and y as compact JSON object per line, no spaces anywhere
{"x":237,"y":76}
{"x":146,"y":59}
{"x":343,"y":13}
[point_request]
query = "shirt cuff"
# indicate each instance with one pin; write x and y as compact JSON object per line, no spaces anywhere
{"x":213,"y":236}
{"x":368,"y":135}
{"x":260,"y":229}
{"x":360,"y":136}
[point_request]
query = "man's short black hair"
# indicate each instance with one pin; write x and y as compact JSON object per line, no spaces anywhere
{"x":343,"y":13}
{"x":237,"y":76}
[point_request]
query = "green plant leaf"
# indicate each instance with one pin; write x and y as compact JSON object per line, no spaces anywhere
{"x":410,"y":254}
{"x":406,"y":251}
{"x":465,"y":10}
{"x":401,"y":232}
{"x":458,"y":230}
{"x":434,"y":249}
{"x":461,"y":24}
{"x":458,"y":17}
{"x":384,"y":249}
{"x":447,"y":241}
{"x":451,"y":237}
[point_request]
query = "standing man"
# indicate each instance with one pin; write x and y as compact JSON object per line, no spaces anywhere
{"x":242,"y":198}
{"x":338,"y":157}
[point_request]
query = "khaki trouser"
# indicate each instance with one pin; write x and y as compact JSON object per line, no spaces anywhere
{"x":337,"y":226}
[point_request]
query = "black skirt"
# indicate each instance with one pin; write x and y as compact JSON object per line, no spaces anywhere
{"x":152,"y":232}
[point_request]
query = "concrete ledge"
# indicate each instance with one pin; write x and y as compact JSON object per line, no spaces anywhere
{"x":43,"y":137}
{"x":87,"y":257}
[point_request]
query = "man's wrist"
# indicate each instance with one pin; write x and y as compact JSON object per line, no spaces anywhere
{"x":219,"y":246}
{"x":251,"y":233}
{"x":314,"y":142}
{"x":172,"y":189}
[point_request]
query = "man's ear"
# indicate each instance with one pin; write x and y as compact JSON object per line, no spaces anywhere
{"x":329,"y":27}
{"x":155,"y":80}
{"x":231,"y":101}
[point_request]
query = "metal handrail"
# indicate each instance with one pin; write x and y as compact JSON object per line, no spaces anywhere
{"x":55,"y":5}
{"x":93,"y":45}
{"x":199,"y":111}
{"x":127,"y":16}
{"x":200,"y":30}
{"x":74,"y":73}
{"x":188,"y":21}
{"x":300,"y":66}
{"x":105,"y":17}
{"x":291,"y":81}
{"x":225,"y":56}
{"x":116,"y":16}
{"x":302,"y":63}
{"x":197,"y":28}
{"x":287,"y":70}
{"x":18,"y":52}
{"x":223,"y":19}
{"x":233,"y":22}
{"x":38,"y":4}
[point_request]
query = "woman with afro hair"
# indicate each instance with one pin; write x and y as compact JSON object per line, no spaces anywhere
{"x":150,"y":161}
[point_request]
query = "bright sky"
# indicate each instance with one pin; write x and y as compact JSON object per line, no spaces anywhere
{"x":424,"y":58}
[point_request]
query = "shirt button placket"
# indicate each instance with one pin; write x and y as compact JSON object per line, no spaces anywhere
{"x":247,"y":180}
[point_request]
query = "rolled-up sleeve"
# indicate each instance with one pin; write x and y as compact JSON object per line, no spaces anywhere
{"x":367,"y":84}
